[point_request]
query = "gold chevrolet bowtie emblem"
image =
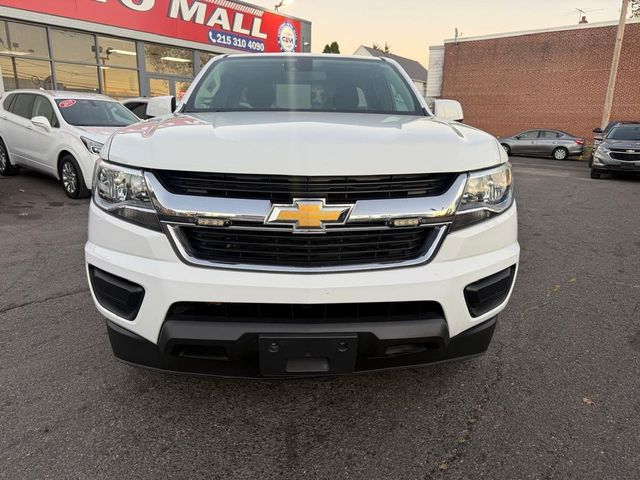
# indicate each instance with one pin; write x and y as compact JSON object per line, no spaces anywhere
{"x":308,"y":215}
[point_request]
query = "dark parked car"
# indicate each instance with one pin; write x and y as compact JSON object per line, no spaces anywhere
{"x":553,"y":143}
{"x":138,"y":106}
{"x":600,"y":134}
{"x":619,"y":151}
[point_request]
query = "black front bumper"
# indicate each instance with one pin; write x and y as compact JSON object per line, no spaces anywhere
{"x":630,"y":169}
{"x":233,"y":350}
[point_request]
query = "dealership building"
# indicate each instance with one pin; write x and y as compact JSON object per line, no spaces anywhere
{"x":553,"y":78}
{"x":131,"y":48}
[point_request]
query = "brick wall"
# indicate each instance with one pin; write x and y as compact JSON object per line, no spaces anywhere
{"x":544,"y":80}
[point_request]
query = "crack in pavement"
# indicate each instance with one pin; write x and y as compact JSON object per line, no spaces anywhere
{"x":44,"y":300}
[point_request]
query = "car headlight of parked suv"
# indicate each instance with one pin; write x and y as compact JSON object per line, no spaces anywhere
{"x":122,"y":192}
{"x":93,"y":146}
{"x":488,"y":193}
{"x":602,"y":154}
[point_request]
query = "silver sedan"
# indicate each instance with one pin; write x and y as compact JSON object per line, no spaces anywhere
{"x":552,"y":143}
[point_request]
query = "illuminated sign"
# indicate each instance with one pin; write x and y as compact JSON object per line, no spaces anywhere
{"x":214,"y":22}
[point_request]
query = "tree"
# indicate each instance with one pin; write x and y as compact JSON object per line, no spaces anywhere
{"x":635,"y":8}
{"x":385,"y":49}
{"x":332,"y":48}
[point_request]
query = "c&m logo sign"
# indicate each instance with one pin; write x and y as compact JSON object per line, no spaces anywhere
{"x":221,"y":22}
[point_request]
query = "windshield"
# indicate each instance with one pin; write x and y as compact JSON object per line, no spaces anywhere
{"x":625,"y":133}
{"x":303,"y":84}
{"x":95,"y":113}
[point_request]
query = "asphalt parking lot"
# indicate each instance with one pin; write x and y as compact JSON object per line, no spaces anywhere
{"x":556,"y":396}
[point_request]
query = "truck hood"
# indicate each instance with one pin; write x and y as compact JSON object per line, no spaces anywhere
{"x":304,"y":144}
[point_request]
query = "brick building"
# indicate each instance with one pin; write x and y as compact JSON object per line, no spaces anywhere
{"x":554,"y":78}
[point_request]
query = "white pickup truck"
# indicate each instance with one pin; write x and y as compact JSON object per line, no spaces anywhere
{"x":300,"y":215}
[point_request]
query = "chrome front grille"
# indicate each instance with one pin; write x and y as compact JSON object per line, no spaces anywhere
{"x":236,"y":233}
{"x":283,"y":188}
{"x":625,"y":155}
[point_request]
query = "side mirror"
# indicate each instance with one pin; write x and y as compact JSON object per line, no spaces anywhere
{"x":42,"y":122}
{"x":448,"y":110}
{"x":597,"y":130}
{"x":159,"y":106}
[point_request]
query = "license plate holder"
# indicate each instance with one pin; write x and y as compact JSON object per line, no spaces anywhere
{"x":300,"y":355}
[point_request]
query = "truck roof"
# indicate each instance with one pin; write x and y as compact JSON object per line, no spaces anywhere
{"x":322,"y":56}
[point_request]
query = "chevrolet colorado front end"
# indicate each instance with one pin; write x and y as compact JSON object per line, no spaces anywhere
{"x":300,"y":215}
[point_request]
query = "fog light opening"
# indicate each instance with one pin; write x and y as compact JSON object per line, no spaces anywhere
{"x":490,"y":292}
{"x":121,"y":297}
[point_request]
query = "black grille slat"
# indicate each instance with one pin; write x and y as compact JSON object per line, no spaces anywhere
{"x":300,"y":313}
{"x":259,"y":247}
{"x":280,"y":188}
{"x":306,"y":248}
{"x":625,"y":156}
{"x":289,"y":253}
{"x":285,"y":248}
{"x":294,"y":242}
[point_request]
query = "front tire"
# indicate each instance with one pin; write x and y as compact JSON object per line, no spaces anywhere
{"x":507,"y":148}
{"x":72,"y":179}
{"x":6,"y":168}
{"x":561,"y":153}
{"x":595,"y":174}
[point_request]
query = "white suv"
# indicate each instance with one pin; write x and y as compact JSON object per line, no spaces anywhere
{"x":58,"y":133}
{"x":300,"y":215}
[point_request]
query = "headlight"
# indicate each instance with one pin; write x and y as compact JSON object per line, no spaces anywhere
{"x":488,"y":193}
{"x":602,"y":150}
{"x":93,"y":146}
{"x":123,"y":192}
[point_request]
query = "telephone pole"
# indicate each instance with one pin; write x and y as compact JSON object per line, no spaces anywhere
{"x":608,"y":103}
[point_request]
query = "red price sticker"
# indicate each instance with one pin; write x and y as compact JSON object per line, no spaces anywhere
{"x":66,"y":103}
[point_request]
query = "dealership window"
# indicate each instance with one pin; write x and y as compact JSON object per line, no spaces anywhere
{"x":28,"y":40}
{"x":205,"y":58}
{"x":168,"y":60}
{"x":114,"y":52}
{"x":73,"y":46}
{"x":181,"y":89}
{"x":33,"y":74}
{"x":4,"y":38}
{"x":159,"y":87}
{"x":24,"y":43}
{"x":79,"y":78}
{"x":8,"y":73}
{"x":35,"y":56}
{"x":120,"y":83}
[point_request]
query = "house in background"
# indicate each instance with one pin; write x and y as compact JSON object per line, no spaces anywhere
{"x":436,"y":70}
{"x":414,"y":69}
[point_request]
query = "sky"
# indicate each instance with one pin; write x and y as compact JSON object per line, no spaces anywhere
{"x":411,"y":26}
